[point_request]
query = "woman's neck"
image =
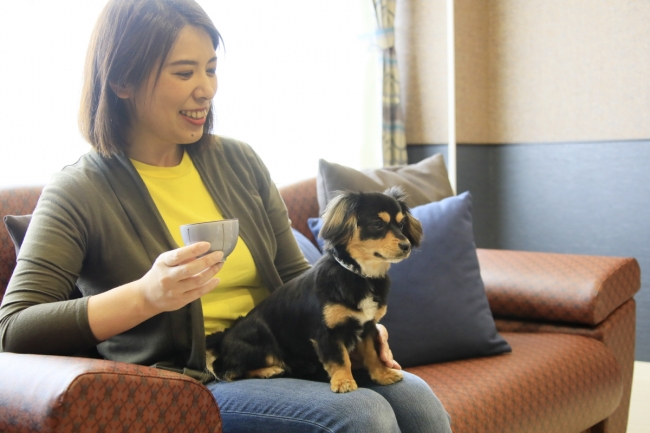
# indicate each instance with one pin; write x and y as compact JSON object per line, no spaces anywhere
{"x":168,"y":157}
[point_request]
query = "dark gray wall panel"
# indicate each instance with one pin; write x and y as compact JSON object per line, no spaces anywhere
{"x":579,"y":198}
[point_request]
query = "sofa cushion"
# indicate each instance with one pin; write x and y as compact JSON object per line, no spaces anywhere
{"x":437,"y":307}
{"x":551,"y":382}
{"x":423,"y":182}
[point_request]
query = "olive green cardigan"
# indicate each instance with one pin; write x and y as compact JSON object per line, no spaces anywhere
{"x":96,"y":226}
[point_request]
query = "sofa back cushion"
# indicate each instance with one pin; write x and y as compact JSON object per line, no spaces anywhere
{"x":301,"y":202}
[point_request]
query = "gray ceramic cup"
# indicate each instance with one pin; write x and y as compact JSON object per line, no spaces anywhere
{"x":222,"y":235}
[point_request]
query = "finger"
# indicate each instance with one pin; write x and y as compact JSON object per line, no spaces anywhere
{"x":386,"y":355}
{"x":196,"y":293}
{"x":196,"y":266}
{"x":383,"y":332}
{"x":200,"y":279}
{"x":183,"y":254}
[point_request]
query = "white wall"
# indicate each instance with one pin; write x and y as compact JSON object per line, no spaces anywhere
{"x":298,"y":81}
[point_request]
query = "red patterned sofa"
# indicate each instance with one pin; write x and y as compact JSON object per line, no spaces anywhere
{"x":569,"y":319}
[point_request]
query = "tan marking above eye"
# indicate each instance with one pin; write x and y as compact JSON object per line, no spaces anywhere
{"x":399,"y":217}
{"x":384,"y":216}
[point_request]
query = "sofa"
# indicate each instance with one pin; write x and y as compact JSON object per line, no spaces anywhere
{"x":569,"y":319}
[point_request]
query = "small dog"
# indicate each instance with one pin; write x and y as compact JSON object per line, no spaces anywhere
{"x":317,"y":319}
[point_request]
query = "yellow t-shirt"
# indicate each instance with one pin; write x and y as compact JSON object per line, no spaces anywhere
{"x":182,"y":198}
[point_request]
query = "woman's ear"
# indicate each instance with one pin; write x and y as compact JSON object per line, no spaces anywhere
{"x":122,"y":91}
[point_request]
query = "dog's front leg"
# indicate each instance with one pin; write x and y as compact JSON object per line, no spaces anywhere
{"x":336,"y":360}
{"x":379,"y":372}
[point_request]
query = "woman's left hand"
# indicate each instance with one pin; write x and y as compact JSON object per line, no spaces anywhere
{"x":385,"y":354}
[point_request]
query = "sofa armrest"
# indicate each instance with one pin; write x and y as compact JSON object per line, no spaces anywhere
{"x":53,"y":393}
{"x":557,"y":287}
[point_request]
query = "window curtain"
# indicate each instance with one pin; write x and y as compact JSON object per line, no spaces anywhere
{"x":393,"y":137}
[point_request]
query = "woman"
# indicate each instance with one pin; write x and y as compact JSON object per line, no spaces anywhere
{"x":109,"y":224}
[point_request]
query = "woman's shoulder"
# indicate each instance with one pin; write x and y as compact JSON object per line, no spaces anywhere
{"x":83,"y":178}
{"x":235,"y":152}
{"x":234,"y":146}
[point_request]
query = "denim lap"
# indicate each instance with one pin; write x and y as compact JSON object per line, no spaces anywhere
{"x":294,"y":405}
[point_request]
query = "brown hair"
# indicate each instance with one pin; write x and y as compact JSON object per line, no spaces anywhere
{"x":129,"y":38}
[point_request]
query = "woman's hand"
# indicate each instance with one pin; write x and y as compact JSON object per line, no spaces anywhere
{"x":385,"y":354}
{"x":178,"y":277}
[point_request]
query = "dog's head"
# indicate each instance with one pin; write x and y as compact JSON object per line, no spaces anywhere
{"x":374,"y":229}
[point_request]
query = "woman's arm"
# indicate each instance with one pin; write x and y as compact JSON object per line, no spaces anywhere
{"x":77,"y":230}
{"x":176,"y":279}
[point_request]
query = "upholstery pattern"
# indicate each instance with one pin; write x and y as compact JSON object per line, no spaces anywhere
{"x":560,"y":287}
{"x":300,"y":199}
{"x":549,"y":383}
{"x":617,"y":333}
{"x":13,"y":201}
{"x":79,"y":394}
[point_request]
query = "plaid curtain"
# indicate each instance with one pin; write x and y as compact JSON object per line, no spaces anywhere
{"x":393,"y":137}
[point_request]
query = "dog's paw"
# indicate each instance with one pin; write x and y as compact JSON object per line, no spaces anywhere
{"x":265,"y":373}
{"x":343,"y":385}
{"x":386,"y":376}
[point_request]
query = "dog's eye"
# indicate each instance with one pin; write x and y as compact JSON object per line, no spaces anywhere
{"x":401,"y":226}
{"x":378,"y":224}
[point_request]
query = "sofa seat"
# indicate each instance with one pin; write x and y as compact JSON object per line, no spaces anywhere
{"x":549,"y":383}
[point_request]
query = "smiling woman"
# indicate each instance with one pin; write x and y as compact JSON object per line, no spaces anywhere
{"x":289,"y":83}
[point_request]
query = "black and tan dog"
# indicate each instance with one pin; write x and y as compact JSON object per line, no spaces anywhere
{"x":318,"y":318}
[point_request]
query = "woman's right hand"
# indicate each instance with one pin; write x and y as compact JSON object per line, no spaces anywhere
{"x":178,"y":277}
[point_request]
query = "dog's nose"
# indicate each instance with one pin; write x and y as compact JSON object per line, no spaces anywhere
{"x":405,"y":246}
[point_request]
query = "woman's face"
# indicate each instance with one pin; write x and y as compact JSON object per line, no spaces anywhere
{"x":173,"y":110}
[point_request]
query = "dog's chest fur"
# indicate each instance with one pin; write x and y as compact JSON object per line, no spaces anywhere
{"x":368,"y":306}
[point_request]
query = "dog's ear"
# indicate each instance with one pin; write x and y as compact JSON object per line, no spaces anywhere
{"x":397,"y":193}
{"x":339,"y":219}
{"x":412,"y":227}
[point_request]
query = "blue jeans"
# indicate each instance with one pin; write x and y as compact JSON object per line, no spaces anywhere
{"x":293,"y":405}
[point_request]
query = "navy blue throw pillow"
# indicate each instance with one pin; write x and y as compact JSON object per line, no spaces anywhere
{"x":437,"y":308}
{"x":315,"y":225}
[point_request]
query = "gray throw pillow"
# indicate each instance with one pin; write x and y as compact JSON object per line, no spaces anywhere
{"x":423,"y":182}
{"x":17,"y":227}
